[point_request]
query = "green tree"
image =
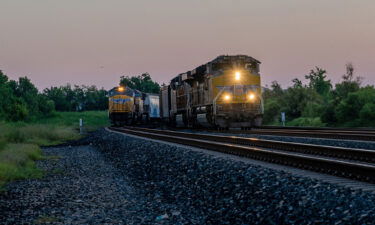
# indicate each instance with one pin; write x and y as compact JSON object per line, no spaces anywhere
{"x":355,"y":109}
{"x":19,"y":100}
{"x":272,"y":98}
{"x":29,"y":94}
{"x":318,"y":82}
{"x":58,"y":96}
{"x":141,"y":82}
{"x":272,"y":109}
{"x":349,"y":84}
{"x":367,"y":114}
{"x":78,"y":98}
{"x":5,"y":93}
{"x":301,"y":101}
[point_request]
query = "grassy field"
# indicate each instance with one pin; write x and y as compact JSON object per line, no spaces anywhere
{"x":92,"y":119}
{"x":20,"y":142}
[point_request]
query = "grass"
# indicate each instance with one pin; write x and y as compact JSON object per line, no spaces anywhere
{"x":300,"y":122}
{"x":38,"y":134}
{"x":60,"y":127}
{"x":20,"y":142}
{"x":92,"y":119}
{"x":17,"y":161}
{"x":307,"y":122}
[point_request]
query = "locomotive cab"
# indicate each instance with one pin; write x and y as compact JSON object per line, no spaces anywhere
{"x":237,"y":100}
{"x":120,"y":105}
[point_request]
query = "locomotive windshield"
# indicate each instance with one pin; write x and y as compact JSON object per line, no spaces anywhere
{"x":222,"y":66}
{"x":251,"y":66}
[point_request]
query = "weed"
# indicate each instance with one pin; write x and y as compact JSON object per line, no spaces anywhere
{"x":57,"y":171}
{"x":46,"y":219}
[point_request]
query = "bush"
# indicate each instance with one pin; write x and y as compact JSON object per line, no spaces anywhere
{"x":271,"y":111}
{"x":46,"y":107}
{"x":367,"y":114}
{"x":312,"y":110}
{"x":2,"y":144}
{"x":307,"y":122}
{"x":352,"y":111}
{"x":18,"y":112}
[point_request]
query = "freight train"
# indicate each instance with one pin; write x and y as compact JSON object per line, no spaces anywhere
{"x":223,"y":93}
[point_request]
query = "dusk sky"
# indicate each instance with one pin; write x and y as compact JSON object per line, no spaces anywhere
{"x":96,"y":41}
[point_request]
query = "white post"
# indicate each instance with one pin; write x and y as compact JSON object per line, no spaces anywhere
{"x":283,"y":118}
{"x":81,"y":126}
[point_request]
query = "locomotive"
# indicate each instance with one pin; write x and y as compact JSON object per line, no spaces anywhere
{"x":223,"y":93}
{"x":129,"y":106}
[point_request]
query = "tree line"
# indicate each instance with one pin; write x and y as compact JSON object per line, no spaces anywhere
{"x":316,"y":103}
{"x":141,"y":82}
{"x":320,"y":103}
{"x":21,"y":101}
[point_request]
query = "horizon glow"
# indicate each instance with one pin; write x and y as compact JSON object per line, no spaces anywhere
{"x":94,"y":42}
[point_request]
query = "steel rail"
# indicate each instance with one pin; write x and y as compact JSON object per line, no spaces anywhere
{"x":354,"y":170}
{"x":320,"y":131}
{"x":332,"y":129}
{"x":315,"y":134}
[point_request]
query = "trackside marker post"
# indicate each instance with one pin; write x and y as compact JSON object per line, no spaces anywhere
{"x":283,"y":118}
{"x":81,"y":126}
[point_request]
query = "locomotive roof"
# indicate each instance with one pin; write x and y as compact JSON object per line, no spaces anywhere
{"x":114,"y":91}
{"x":234,"y":58}
{"x":219,"y":59}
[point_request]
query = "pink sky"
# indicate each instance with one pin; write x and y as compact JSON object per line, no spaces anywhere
{"x":97,"y":41}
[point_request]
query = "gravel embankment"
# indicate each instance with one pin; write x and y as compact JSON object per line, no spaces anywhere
{"x":214,"y":190}
{"x":130,"y":180}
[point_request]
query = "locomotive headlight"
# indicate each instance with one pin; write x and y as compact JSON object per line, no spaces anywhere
{"x":120,"y":89}
{"x":227,"y":97}
{"x":251,"y":96}
{"x":237,"y":75}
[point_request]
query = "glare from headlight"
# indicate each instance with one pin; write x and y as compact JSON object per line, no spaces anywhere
{"x":238,"y":75}
{"x":227,"y":97}
{"x":251,"y":96}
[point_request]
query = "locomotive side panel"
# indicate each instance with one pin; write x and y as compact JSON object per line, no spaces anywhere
{"x":164,"y":102}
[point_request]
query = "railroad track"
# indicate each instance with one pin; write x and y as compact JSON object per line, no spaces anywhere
{"x":326,"y":133}
{"x":359,"y":130}
{"x":356,"y":164}
{"x":315,"y":133}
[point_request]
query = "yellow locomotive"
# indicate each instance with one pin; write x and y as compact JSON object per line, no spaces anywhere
{"x":225,"y":92}
{"x":121,"y":105}
{"x":129,"y":106}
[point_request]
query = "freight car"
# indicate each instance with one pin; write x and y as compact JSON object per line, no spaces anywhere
{"x":151,"y":108}
{"x":223,"y":93}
